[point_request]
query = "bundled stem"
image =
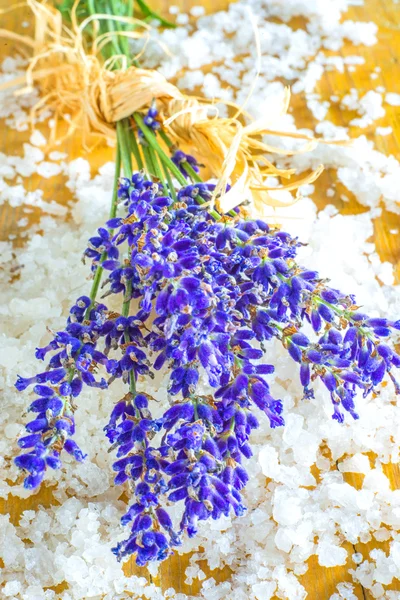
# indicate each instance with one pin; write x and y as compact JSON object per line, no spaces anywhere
{"x":87,"y":72}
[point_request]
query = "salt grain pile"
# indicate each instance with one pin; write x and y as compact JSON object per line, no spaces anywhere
{"x":71,"y":542}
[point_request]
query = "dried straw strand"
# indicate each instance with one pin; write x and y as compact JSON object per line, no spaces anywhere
{"x":82,"y":90}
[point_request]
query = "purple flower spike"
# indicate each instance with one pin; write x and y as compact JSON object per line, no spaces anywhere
{"x":207,"y":296}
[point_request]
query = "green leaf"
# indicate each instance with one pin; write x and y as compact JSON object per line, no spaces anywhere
{"x":147,"y":12}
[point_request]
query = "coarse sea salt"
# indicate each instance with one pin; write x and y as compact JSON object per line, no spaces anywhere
{"x":384,"y":130}
{"x":392,"y":99}
{"x":290,"y":515}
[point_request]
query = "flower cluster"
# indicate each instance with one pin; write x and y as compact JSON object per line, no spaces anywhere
{"x":200,"y":299}
{"x":72,"y":365}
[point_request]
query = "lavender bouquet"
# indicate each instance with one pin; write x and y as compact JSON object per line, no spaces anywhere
{"x":201,"y":292}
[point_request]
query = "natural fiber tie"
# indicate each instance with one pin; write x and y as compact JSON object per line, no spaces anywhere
{"x":83,"y":91}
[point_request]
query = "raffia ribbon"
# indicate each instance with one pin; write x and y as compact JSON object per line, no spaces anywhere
{"x":82,"y":90}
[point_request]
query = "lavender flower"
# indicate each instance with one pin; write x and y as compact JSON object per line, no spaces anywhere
{"x":130,"y":429}
{"x":209,"y":295}
{"x":151,"y":121}
{"x":75,"y":357}
{"x":180,"y":159}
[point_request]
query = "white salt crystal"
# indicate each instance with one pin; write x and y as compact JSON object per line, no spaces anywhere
{"x":365,"y":499}
{"x":354,"y":60}
{"x":358,"y":463}
{"x":392,"y":99}
{"x":306,"y":448}
{"x":376,"y":481}
{"x":360,"y":33}
{"x":350,"y":100}
{"x":346,"y":592}
{"x":318,"y":109}
{"x":382,"y":535}
{"x":357,"y":557}
{"x":384,"y":130}
{"x":287,"y":510}
{"x":12,"y":588}
{"x":37,"y":138}
{"x":282,"y":540}
{"x":342,"y":494}
{"x":11,"y":547}
{"x":264,"y":590}
{"x":293,"y":428}
{"x":55,"y":155}
{"x":330,"y":555}
{"x":197,"y":11}
{"x":76,"y":569}
{"x":48,"y":169}
{"x":395,"y":554}
{"x":96,"y":479}
{"x":182,"y":19}
{"x":377,"y":590}
{"x":212,"y":85}
{"x":32,"y":154}
{"x":12,"y":430}
{"x":268,"y":460}
{"x":280,"y":195}
{"x":371,"y":105}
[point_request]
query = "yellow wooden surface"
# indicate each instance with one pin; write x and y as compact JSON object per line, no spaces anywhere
{"x":319,"y":582}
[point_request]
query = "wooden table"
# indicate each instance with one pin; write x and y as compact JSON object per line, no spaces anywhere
{"x":319,"y":582}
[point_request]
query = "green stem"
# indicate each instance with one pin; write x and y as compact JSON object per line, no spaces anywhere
{"x":171,"y":186}
{"x":191,"y":172}
{"x":157,"y":170}
{"x":96,"y":284}
{"x":128,"y":290}
{"x":188,"y":168}
{"x":125,"y":313}
{"x":165,"y":138}
{"x":114,"y":203}
{"x":125,"y":149}
{"x":147,"y":159}
{"x":122,"y":40}
{"x":129,"y":9}
{"x":113,"y":212}
{"x":165,"y":175}
{"x":343,"y":313}
{"x":136,"y":151}
{"x":151,"y":139}
{"x":115,"y":38}
{"x":93,"y":10}
{"x":126,"y":302}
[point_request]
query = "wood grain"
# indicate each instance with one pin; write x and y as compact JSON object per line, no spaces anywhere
{"x":319,"y":582}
